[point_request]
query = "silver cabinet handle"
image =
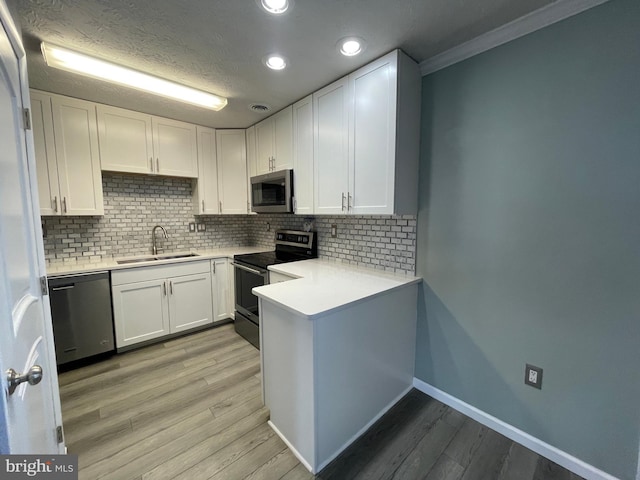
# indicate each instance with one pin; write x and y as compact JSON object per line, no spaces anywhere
{"x":202,"y":206}
{"x":33,"y":376}
{"x":164,"y":288}
{"x":158,"y":165}
{"x":64,"y":204}
{"x":220,"y":211}
{"x":343,"y":198}
{"x":349,"y":202}
{"x":151,"y":162}
{"x":213,"y":264}
{"x":55,"y":204}
{"x":248,"y":207}
{"x":170,"y":287}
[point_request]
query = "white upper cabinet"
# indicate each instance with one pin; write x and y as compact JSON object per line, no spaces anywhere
{"x":126,"y":143}
{"x":375,"y":111}
{"x":232,"y":171}
{"x":139,"y":143}
{"x":274,"y":142}
{"x":175,"y":147}
{"x":303,"y":156}
{"x":205,"y":191}
{"x":252,"y":159}
{"x":67,"y":158}
{"x":331,"y":148}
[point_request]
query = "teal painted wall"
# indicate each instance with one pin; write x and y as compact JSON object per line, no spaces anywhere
{"x":529,"y":234}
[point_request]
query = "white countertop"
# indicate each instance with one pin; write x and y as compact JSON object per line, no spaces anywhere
{"x":78,"y":267}
{"x":322,"y":286}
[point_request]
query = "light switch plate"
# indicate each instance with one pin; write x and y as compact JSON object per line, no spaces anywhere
{"x":192,"y":227}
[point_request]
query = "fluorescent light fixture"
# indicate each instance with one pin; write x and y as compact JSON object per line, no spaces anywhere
{"x":71,"y":61}
{"x":275,"y":62}
{"x":351,"y":46}
{"x":275,"y":6}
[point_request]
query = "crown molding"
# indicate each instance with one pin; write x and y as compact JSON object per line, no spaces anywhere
{"x":543,"y":17}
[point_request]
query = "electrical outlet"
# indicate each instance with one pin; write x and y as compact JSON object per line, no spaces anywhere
{"x":533,"y":376}
{"x":334,"y":230}
{"x":192,"y":227}
{"x":201,"y":227}
{"x":268,"y":227}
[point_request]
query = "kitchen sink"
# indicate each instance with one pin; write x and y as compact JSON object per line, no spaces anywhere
{"x":169,"y":256}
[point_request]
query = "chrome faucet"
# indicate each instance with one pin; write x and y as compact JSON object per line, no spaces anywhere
{"x":154,"y":248}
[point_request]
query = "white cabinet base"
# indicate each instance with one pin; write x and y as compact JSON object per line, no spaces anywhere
{"x":327,"y":380}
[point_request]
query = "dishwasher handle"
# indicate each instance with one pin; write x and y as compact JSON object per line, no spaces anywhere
{"x":65,"y":287}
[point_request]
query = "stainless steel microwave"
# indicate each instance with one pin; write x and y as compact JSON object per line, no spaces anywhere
{"x":272,"y":192}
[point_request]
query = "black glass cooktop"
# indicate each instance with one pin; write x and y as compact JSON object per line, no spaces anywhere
{"x":264,"y":259}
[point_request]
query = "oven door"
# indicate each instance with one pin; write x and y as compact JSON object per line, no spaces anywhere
{"x":247,"y":277}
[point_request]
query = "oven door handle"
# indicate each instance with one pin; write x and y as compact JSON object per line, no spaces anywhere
{"x":252,"y":270}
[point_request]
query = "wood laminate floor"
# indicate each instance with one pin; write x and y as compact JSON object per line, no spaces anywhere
{"x":191,"y":408}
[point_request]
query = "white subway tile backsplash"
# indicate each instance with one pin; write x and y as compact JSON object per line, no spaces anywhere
{"x":134,"y":204}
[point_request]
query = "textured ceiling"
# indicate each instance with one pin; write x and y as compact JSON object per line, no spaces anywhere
{"x":217,"y":45}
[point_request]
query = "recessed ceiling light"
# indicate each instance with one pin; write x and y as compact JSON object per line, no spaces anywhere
{"x":71,"y":61}
{"x":275,"y":6}
{"x":351,"y":46}
{"x":275,"y":62}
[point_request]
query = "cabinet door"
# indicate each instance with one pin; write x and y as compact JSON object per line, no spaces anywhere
{"x":252,"y":159}
{"x":140,"y":311}
{"x":76,"y":141}
{"x":303,"y":156}
{"x":232,"y":171}
{"x":175,"y":147}
{"x":125,"y":140}
{"x":264,"y":146}
{"x":372,"y":133}
{"x":222,"y":308}
{"x":46,"y":163}
{"x":205,"y":191}
{"x":190,"y":303}
{"x":330,"y":146}
{"x":283,"y":139}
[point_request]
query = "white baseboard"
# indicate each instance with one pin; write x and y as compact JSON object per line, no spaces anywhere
{"x":554,"y":454}
{"x":536,"y":20}
{"x":291,"y":447}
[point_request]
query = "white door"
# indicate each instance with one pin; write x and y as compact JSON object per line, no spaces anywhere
{"x":190,"y":302}
{"x":232,"y":171}
{"x":125,"y":140}
{"x":206,"y":188}
{"x":30,"y":415}
{"x":372,"y":133}
{"x":331,"y":148}
{"x":283,"y":139}
{"x":220,"y":288}
{"x":264,"y":146}
{"x":140,"y":311}
{"x":176,"y":148}
{"x":303,"y":156}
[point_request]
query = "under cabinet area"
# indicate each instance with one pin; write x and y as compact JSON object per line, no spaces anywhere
{"x":139,"y":143}
{"x":152,"y":302}
{"x":67,"y":158}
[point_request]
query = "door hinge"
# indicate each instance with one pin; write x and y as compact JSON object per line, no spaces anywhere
{"x":26,"y":114}
{"x":59,"y":434}
{"x":44,"y":286}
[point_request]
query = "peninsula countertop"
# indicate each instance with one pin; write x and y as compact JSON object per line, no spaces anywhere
{"x":322,"y":286}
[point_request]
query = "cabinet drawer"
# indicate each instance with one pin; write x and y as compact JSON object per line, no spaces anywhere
{"x":156,"y":272}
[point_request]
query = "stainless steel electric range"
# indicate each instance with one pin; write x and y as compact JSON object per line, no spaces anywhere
{"x":251,"y":271}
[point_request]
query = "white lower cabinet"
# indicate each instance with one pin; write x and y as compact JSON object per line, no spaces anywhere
{"x":151,"y":302}
{"x":222,"y":306}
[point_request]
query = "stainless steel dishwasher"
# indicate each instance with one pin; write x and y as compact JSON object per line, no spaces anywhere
{"x":82,"y":315}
